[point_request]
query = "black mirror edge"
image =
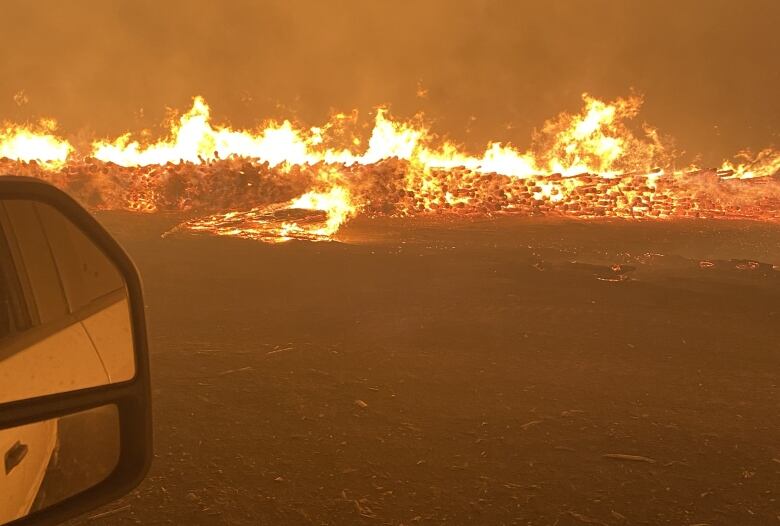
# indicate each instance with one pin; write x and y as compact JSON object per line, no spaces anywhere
{"x":132,"y":398}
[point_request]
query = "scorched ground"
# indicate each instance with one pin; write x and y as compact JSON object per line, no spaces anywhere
{"x":428,"y":371}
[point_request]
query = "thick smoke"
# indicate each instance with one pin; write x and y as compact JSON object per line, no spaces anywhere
{"x":491,"y":70}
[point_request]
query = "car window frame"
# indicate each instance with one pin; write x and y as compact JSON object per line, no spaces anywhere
{"x":19,"y":307}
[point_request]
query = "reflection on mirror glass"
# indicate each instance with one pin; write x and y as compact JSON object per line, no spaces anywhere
{"x":44,"y":463}
{"x":64,"y":316}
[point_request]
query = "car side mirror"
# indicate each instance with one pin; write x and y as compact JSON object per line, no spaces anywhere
{"x":75,"y":413}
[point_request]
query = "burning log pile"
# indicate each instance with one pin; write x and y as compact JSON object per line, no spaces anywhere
{"x":398,"y":187}
{"x":704,"y":194}
{"x":260,"y":184}
{"x":212,"y":186}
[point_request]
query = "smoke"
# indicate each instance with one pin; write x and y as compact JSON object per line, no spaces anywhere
{"x":491,"y":70}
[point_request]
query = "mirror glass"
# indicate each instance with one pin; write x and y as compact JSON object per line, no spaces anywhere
{"x":44,"y":463}
{"x":64,"y":311}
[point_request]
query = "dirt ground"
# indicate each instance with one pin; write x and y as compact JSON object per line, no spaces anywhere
{"x":469,"y":372}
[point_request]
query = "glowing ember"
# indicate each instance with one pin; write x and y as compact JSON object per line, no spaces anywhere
{"x":282,"y":182}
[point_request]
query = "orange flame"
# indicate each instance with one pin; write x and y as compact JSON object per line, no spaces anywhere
{"x":34,"y":143}
{"x":594,"y":141}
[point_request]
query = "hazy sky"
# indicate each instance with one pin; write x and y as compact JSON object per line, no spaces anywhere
{"x":709,"y":69}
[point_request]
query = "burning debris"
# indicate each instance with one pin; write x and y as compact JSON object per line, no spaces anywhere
{"x":311,"y":217}
{"x":282,"y":182}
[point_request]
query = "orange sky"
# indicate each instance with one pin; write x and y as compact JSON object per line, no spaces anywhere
{"x":493,"y":69}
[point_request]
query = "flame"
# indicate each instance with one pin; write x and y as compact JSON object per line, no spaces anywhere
{"x":593,"y":141}
{"x":764,"y":164}
{"x":193,"y":139}
{"x":597,"y":140}
{"x":283,"y":181}
{"x":336,"y":204}
{"x":34,"y":143}
{"x":276,"y":224}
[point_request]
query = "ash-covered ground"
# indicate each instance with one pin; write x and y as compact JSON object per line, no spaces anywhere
{"x":504,"y":371}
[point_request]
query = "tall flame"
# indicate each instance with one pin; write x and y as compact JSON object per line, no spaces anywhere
{"x":594,"y":141}
{"x":193,"y":139}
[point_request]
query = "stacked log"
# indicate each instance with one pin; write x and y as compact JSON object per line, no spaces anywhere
{"x":397,"y":187}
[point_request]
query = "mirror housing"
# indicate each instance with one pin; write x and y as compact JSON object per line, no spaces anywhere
{"x":131,"y":398}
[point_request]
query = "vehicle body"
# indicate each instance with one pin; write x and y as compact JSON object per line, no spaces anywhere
{"x":70,"y":323}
